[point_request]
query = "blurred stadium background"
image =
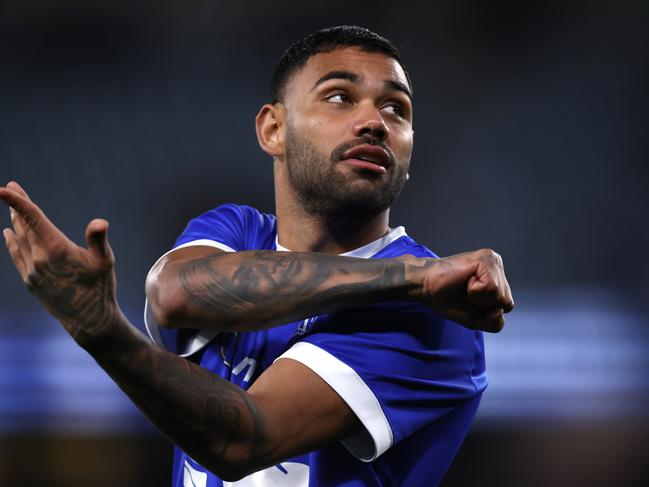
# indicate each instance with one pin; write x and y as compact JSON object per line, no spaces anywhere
{"x":531,"y":138}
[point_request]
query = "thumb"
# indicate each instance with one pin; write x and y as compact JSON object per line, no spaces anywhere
{"x":98,"y":246}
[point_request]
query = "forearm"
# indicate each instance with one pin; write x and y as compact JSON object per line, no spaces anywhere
{"x":259,"y":289}
{"x":212,"y":420}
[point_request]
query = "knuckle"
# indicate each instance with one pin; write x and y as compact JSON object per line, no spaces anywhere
{"x":490,"y":253}
{"x":491,"y":258}
{"x":486,"y":254}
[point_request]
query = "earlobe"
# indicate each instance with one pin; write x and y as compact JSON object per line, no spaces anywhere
{"x":269,"y":124}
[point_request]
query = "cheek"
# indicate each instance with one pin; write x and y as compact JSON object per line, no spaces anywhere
{"x":306,"y":120}
{"x":403,"y":143}
{"x":305,"y":126}
{"x":322,"y":135}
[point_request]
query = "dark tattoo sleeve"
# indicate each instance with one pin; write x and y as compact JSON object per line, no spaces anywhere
{"x":212,"y":420}
{"x":251,"y":290}
{"x":80,"y":298}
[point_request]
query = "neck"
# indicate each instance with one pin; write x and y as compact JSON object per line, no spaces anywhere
{"x":302,"y":231}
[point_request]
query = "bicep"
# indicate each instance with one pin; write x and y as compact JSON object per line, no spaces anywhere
{"x":299,"y":410}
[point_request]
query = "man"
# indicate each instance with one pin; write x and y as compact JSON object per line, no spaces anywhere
{"x":304,"y":367}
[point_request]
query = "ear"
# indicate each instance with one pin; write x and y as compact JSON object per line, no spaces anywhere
{"x":269,"y":123}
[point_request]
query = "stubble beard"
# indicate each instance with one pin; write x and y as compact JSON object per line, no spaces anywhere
{"x":324,"y":190}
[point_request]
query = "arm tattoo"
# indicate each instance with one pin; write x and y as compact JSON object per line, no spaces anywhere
{"x":258,"y":289}
{"x":200,"y":412}
{"x":197,"y":410}
{"x":81,"y":299}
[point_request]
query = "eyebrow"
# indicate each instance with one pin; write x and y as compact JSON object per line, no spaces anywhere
{"x":347,"y":75}
{"x":355,"y":78}
{"x":398,"y":86}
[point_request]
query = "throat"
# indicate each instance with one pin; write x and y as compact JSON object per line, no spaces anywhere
{"x":330,"y":234}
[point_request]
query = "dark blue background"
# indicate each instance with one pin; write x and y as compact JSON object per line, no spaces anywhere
{"x":530,"y":138}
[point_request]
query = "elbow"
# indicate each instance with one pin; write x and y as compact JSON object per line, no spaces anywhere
{"x":234,"y":469}
{"x":229,"y":474}
{"x":164,"y":300}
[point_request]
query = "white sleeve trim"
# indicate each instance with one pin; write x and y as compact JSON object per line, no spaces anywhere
{"x":203,"y":337}
{"x":377,"y":436}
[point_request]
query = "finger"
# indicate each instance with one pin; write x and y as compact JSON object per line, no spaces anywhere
{"x":492,"y":321}
{"x":483,"y":283}
{"x":483,"y":292}
{"x":508,"y":304}
{"x":32,"y":216}
{"x":14,"y":253}
{"x":474,"y":317}
{"x":488,"y":288}
{"x":463,"y":313}
{"x":98,"y":246}
{"x":13,"y":185}
{"x":21,"y":239}
{"x":506,"y":292}
{"x":508,"y":300}
{"x":18,"y":188}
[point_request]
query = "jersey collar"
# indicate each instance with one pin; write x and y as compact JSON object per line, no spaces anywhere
{"x":366,"y":251}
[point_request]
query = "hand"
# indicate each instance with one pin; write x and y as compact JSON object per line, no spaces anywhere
{"x":469,"y":288}
{"x":76,"y":285}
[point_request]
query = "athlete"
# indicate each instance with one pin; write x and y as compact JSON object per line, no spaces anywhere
{"x":319,"y":347}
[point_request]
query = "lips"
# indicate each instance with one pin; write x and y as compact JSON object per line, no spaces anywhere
{"x":369,"y":153}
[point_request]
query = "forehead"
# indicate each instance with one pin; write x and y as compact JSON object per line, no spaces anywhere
{"x":371,"y":66}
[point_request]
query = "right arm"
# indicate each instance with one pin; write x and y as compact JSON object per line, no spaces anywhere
{"x":204,"y":287}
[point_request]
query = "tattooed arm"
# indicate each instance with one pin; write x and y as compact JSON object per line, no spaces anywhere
{"x":208,"y":288}
{"x":229,"y":431}
{"x":202,"y":287}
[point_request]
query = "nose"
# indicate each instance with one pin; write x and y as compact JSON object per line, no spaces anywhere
{"x":370,"y":122}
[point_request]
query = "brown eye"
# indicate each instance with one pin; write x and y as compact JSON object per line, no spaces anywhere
{"x":338,"y":98}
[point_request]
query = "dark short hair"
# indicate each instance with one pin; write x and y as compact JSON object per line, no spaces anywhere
{"x":327,"y":40}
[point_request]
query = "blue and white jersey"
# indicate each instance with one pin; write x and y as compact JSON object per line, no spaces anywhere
{"x":413,"y":378}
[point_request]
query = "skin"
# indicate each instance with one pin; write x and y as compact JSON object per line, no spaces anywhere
{"x":329,"y":114}
{"x":230,"y":431}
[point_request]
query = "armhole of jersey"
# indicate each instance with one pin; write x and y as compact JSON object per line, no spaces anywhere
{"x":376,"y":437}
{"x":167,"y":338}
